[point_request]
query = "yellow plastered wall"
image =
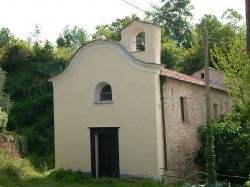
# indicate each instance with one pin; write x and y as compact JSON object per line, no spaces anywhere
{"x":135,"y":110}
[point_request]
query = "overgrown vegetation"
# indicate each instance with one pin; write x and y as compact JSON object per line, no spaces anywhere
{"x":231,"y":143}
{"x":3,"y":120}
{"x":210,"y":157}
{"x":232,"y":131}
{"x":235,"y":64}
{"x":5,"y":102}
{"x":16,"y":172}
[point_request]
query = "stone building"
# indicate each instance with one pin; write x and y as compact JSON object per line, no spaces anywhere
{"x":119,"y":113}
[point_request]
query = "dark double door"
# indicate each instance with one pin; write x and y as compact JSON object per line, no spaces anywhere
{"x":104,"y":152}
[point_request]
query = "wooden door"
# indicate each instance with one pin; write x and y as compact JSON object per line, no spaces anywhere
{"x":104,"y":143}
{"x":107,"y":155}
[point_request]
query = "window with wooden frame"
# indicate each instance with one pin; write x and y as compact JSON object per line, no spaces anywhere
{"x":184,"y":109}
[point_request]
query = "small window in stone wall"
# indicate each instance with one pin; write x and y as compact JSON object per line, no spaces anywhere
{"x":227,"y":106}
{"x":184,"y":109}
{"x":202,"y":76}
{"x":216,"y":112}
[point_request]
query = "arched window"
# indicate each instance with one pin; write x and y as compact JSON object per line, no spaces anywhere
{"x":103,"y":92}
{"x":106,"y":93}
{"x":140,"y":41}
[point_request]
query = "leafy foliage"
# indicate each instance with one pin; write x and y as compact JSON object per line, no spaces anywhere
{"x":5,"y":102}
{"x":27,"y":84}
{"x":171,"y":54}
{"x":181,"y":59}
{"x":112,"y":31}
{"x":3,"y":120}
{"x":72,"y":37}
{"x":5,"y":36}
{"x":210,"y":157}
{"x":14,"y":169}
{"x":16,"y":172}
{"x":231,"y":143}
{"x":175,"y":17}
{"x":235,"y":64}
{"x":248,"y":182}
{"x":220,"y":33}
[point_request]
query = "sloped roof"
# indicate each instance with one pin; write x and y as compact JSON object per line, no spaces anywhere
{"x":186,"y":78}
{"x":210,"y":68}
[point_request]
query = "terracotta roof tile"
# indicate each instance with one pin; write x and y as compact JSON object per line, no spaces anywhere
{"x":186,"y":78}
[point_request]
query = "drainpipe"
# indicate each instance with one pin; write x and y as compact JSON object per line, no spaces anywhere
{"x":162,"y":81}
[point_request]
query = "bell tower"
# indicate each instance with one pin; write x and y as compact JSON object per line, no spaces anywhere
{"x":143,"y":41}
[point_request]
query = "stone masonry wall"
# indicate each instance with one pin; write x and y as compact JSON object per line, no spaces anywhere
{"x":182,"y":137}
{"x":9,"y":144}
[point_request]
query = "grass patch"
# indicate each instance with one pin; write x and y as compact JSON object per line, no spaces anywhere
{"x":18,"y":172}
{"x":14,"y":169}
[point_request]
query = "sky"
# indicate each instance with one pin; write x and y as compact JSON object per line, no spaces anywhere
{"x":21,"y":16}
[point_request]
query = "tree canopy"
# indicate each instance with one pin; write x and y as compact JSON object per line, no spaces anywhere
{"x":175,"y":17}
{"x":112,"y":31}
{"x":5,"y":36}
{"x":72,"y":37}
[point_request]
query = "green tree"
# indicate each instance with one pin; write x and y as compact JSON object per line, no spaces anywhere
{"x":212,"y":25}
{"x":171,"y":55}
{"x":16,"y":56}
{"x":219,"y":33}
{"x":231,"y":144}
{"x":43,"y":53}
{"x":29,"y":68}
{"x":112,"y":31}
{"x":5,"y":36}
{"x":35,"y":36}
{"x":72,"y":37}
{"x":214,"y":28}
{"x":193,"y":58}
{"x":104,"y":30}
{"x":175,"y":17}
{"x":233,"y":18}
{"x":235,"y":65}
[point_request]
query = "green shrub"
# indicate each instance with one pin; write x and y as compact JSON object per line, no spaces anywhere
{"x":3,"y":120}
{"x":14,"y":167}
{"x":42,"y":163}
{"x":231,"y":143}
{"x":68,"y":175}
{"x":23,"y":141}
{"x":16,"y":172}
{"x":248,"y":182}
